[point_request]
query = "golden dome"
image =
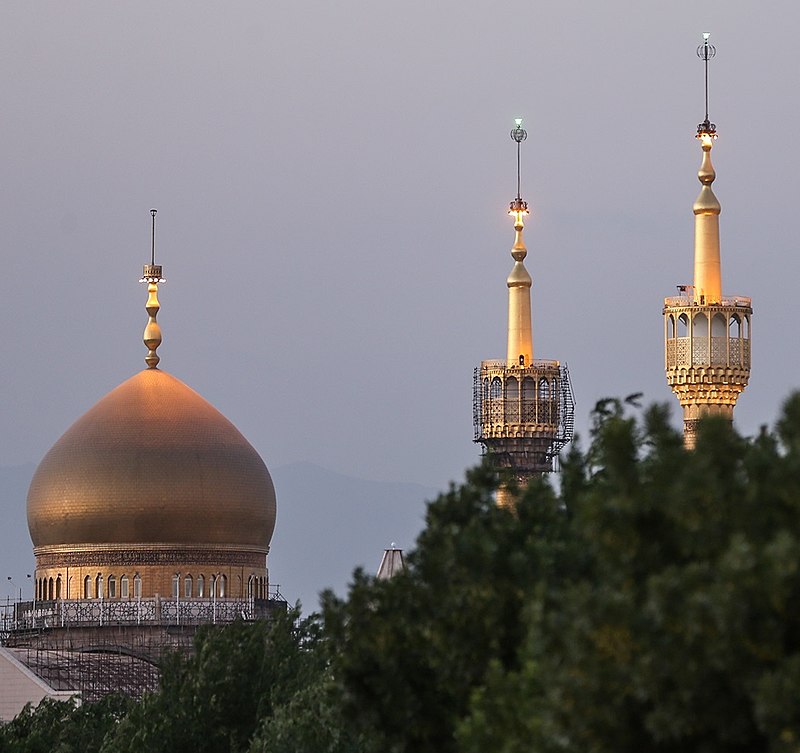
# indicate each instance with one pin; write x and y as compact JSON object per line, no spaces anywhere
{"x":152,"y":463}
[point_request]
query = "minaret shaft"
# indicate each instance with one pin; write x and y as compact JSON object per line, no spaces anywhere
{"x":520,"y":329}
{"x":707,"y":265}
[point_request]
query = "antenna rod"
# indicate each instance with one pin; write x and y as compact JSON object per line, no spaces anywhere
{"x":153,"y":242}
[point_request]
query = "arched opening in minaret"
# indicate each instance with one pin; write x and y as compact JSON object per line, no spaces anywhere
{"x":700,"y":325}
{"x":544,"y":401}
{"x":50,"y":592}
{"x":98,"y":586}
{"x":683,"y":326}
{"x":201,"y":585}
{"x":512,"y":400}
{"x":187,"y":586}
{"x":112,"y":587}
{"x":670,"y":326}
{"x":746,"y":332}
{"x":496,"y":401}
{"x":719,"y":339}
{"x":58,"y":587}
{"x":176,"y":583}
{"x":137,"y":586}
{"x":87,"y":587}
{"x":544,"y":389}
{"x":124,"y":587}
{"x":528,"y":399}
{"x":700,"y":341}
{"x":735,"y":327}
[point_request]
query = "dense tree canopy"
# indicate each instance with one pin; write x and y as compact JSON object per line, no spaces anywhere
{"x":652,"y":604}
{"x":648,"y":602}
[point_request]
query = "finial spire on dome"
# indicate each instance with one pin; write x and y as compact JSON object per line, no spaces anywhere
{"x":520,"y":331}
{"x":707,"y":264}
{"x":152,"y":276}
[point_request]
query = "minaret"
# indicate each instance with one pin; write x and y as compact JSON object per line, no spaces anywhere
{"x":706,"y":334}
{"x":522,"y":408}
{"x":151,"y":274}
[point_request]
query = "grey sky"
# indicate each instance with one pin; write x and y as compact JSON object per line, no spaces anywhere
{"x":332,"y":180}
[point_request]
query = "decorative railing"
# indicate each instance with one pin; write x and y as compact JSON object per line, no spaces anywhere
{"x":723,"y":351}
{"x":685,"y":301}
{"x":537,"y":365}
{"x":30,"y":615}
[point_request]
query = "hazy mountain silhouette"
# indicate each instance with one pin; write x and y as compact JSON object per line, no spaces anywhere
{"x":328,"y":524}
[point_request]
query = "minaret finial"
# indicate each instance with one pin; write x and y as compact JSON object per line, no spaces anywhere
{"x":518,"y":207}
{"x":705,"y":52}
{"x":152,"y":276}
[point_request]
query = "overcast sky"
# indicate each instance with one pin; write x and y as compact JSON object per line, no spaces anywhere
{"x":332,"y":180}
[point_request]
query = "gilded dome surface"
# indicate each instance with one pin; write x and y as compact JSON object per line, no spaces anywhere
{"x":152,"y":463}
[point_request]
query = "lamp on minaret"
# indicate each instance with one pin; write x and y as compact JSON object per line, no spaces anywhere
{"x":151,"y":274}
{"x":522,"y":408}
{"x":706,"y":334}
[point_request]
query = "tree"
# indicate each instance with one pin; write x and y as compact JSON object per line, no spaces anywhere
{"x":216,"y":699}
{"x":410,"y":651}
{"x":63,"y":726}
{"x":652,"y":604}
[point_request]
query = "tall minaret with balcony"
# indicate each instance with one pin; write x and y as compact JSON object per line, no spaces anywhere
{"x":522,"y":408}
{"x":706,"y":334}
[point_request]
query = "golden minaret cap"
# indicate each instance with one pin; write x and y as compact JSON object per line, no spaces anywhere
{"x":151,"y":274}
{"x":520,"y":330}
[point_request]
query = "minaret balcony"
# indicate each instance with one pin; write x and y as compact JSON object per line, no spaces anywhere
{"x":517,"y":401}
{"x":716,"y":335}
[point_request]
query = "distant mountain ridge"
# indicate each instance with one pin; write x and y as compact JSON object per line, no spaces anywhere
{"x":328,"y":524}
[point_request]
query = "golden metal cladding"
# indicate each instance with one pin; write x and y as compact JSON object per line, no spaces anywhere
{"x":152,"y":463}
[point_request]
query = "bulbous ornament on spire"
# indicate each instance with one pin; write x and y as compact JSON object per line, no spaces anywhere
{"x":152,"y":275}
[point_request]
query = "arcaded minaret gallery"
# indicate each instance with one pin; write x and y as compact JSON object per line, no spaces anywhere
{"x":523,"y":409}
{"x":706,"y":334}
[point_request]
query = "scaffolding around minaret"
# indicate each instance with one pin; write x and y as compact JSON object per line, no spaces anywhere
{"x":523,"y":415}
